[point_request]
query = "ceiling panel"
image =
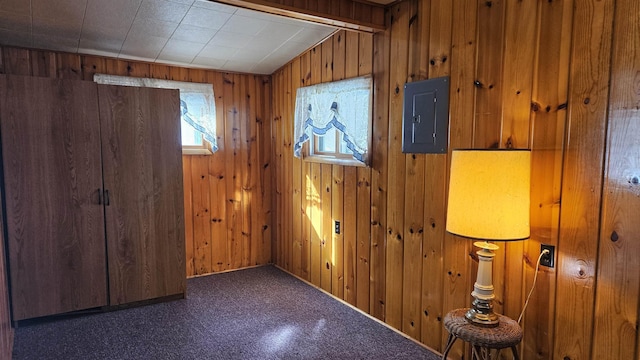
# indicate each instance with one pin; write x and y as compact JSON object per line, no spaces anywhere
{"x":191,"y":33}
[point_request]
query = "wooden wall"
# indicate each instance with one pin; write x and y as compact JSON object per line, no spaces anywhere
{"x":560,"y":77}
{"x":227,"y":194}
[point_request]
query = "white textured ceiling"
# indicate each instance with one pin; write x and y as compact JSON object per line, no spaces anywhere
{"x":191,"y":33}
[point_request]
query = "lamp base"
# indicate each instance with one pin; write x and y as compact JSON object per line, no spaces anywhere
{"x":482,"y":314}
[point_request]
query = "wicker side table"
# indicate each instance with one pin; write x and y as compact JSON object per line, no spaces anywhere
{"x":507,"y":334}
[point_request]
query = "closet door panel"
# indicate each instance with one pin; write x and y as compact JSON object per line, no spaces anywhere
{"x":51,"y":159}
{"x":142,"y":162}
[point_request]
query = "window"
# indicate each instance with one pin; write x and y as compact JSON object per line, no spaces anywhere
{"x":197,"y":109}
{"x":330,"y":144}
{"x":333,"y":122}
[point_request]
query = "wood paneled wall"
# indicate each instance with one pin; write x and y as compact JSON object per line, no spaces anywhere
{"x":227,"y":194}
{"x":559,"y":77}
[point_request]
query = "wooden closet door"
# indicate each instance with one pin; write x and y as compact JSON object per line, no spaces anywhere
{"x":142,"y":162}
{"x":52,"y":174}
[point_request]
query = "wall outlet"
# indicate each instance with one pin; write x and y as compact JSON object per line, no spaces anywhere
{"x":548,"y":259}
{"x":337,"y":226}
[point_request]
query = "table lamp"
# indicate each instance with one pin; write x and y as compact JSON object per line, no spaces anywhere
{"x":489,"y":196}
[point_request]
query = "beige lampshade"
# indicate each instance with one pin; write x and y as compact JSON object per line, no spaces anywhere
{"x":489,"y":194}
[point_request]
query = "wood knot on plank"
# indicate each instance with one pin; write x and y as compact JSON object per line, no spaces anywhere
{"x":509,"y":143}
{"x":586,"y":101}
{"x":478,"y":84}
{"x":488,"y":4}
{"x":413,"y":19}
{"x":535,"y":106}
{"x":614,"y":236}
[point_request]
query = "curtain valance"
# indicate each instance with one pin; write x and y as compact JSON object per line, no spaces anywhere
{"x":344,"y":105}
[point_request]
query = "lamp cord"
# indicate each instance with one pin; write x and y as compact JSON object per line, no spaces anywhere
{"x":535,"y":278}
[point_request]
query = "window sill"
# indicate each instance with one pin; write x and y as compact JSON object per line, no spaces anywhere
{"x":196,"y":150}
{"x":334,"y":161}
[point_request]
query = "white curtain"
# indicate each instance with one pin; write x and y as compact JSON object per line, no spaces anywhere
{"x":197,"y":102}
{"x":344,"y":105}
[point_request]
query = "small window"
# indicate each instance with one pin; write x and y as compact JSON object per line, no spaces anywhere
{"x":333,"y":122}
{"x":330,"y":144}
{"x":193,"y":142}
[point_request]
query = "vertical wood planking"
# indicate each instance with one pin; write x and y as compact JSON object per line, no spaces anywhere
{"x":266,"y":168}
{"x":457,"y":282}
{"x":615,"y":325}
{"x":246,"y":186}
{"x":396,"y":160}
{"x":200,"y":197}
{"x":337,"y":191}
{"x":276,"y":140}
{"x":550,"y":86}
{"x":363,"y":196}
{"x":287,"y":125}
{"x":439,"y":30}
{"x":218,"y":184}
{"x":297,"y":177}
{"x":305,"y":167}
{"x":16,"y":61}
{"x":316,"y":265}
{"x":233,"y":170}
{"x":337,"y":240}
{"x":582,"y":178}
{"x":488,"y":109}
{"x":414,"y":189}
{"x":350,"y":223}
{"x":520,"y":34}
{"x":68,"y":66}
{"x":326,"y":235}
{"x":349,"y":229}
{"x":188,"y":216}
{"x":327,"y":171}
{"x":43,"y":63}
{"x":379,"y":172}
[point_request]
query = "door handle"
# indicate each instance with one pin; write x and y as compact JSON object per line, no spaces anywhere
{"x":106,"y":198}
{"x":99,"y":196}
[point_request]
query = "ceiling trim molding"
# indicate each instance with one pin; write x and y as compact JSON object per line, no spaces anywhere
{"x":351,"y":14}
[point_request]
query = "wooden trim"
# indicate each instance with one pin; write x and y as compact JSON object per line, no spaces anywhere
{"x":368,"y":18}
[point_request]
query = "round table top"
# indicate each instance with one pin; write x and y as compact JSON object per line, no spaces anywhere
{"x":507,"y":334}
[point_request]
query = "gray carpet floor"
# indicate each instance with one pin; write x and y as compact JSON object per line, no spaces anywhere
{"x":258,"y":313}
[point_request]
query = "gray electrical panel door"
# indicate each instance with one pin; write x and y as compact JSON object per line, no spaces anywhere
{"x":425,"y":118}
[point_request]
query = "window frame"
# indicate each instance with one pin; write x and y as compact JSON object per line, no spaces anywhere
{"x":309,"y":152}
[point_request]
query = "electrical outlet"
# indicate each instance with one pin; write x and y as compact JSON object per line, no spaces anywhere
{"x":337,"y":226}
{"x":548,"y":259}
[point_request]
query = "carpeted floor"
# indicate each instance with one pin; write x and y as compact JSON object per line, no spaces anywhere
{"x":259,"y":313}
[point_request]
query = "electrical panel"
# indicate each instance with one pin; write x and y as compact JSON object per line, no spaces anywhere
{"x":425,"y":119}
